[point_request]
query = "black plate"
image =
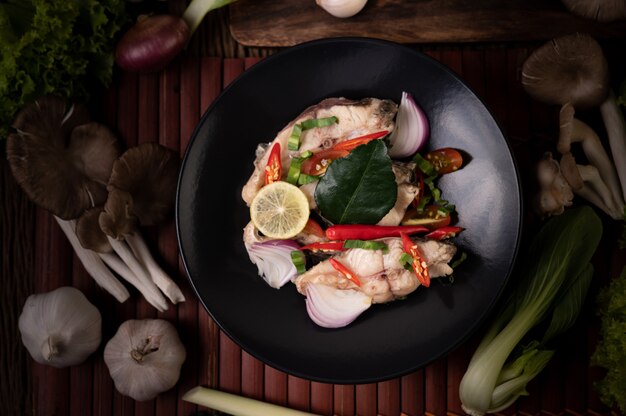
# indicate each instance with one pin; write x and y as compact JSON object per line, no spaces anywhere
{"x":387,"y":340}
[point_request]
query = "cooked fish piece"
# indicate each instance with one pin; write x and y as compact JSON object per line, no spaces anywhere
{"x":356,"y":118}
{"x":382,"y":276}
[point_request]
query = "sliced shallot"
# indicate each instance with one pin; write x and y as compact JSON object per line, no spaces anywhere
{"x":334,"y":308}
{"x":273,"y":260}
{"x":412,"y":129}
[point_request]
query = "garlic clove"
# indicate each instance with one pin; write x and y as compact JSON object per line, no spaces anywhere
{"x":342,"y":8}
{"x":144,"y":358}
{"x":60,"y":328}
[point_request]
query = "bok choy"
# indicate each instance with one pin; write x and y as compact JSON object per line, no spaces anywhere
{"x":551,"y":291}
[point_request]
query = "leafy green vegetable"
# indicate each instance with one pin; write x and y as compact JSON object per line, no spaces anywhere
{"x":611,"y":350}
{"x":553,"y":286}
{"x":54,"y":47}
{"x":359,"y":188}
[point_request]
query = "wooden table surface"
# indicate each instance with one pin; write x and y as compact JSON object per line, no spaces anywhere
{"x":164,"y":107}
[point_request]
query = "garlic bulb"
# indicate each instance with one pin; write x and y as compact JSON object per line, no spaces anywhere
{"x":144,"y":358}
{"x":60,"y":328}
{"x":342,"y":8}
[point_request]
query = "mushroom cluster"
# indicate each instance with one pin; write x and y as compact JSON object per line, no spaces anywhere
{"x":73,"y":168}
{"x":571,"y":71}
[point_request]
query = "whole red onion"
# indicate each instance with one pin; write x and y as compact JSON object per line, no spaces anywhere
{"x":151,"y":43}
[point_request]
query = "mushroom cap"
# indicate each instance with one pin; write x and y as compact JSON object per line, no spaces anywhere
{"x":61,"y":161}
{"x":89,"y":232}
{"x":600,"y":10}
{"x":149,"y":173}
{"x":117,"y":219}
{"x":569,"y":69}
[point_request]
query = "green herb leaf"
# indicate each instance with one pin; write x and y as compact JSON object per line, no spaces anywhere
{"x":359,"y":188}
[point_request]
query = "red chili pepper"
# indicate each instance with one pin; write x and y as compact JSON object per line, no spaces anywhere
{"x":357,"y":141}
{"x":444,"y":232}
{"x":370,"y":232}
{"x":273,"y":170}
{"x":317,"y":164}
{"x":324,"y":245}
{"x":419,"y":264}
{"x":345,"y":271}
{"x":313,"y":228}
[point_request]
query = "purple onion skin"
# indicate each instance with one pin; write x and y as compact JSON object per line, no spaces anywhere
{"x":151,"y":43}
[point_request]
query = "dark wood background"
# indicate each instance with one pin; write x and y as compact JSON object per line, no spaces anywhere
{"x":164,"y":107}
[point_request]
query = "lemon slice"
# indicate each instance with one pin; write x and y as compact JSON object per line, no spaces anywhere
{"x":280,"y":210}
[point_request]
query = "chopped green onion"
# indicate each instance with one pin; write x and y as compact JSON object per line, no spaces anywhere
{"x":298,"y":259}
{"x":305,"y":155}
{"x":459,"y":260}
{"x":406,"y":260}
{"x":424,"y":165}
{"x":366,"y":245}
{"x":423,"y":202}
{"x":296,"y":165}
{"x":319,"y":122}
{"x":303,"y":179}
{"x":294,"y":139}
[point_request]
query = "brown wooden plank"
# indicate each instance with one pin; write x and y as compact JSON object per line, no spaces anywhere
{"x":435,"y":387}
{"x":275,"y":386}
{"x":457,"y":364}
{"x":251,"y":376}
{"x":321,"y":398}
{"x":298,"y":393}
{"x":167,"y":250}
{"x":412,"y":393}
{"x":344,"y":397}
{"x":210,"y":86}
{"x":441,"y":21}
{"x":388,"y":394}
{"x":188,"y":310}
{"x":366,"y":399}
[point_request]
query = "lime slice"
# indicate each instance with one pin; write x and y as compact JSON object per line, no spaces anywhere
{"x":280,"y":210}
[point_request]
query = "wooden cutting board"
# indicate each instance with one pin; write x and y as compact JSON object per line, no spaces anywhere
{"x":275,"y":23}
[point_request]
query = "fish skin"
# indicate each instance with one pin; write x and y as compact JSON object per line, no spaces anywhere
{"x":356,"y":118}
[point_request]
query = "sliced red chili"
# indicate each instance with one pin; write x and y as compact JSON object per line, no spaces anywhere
{"x":370,"y":232}
{"x":318,"y":163}
{"x":324,"y":246}
{"x":273,"y":169}
{"x":345,"y":272}
{"x":357,"y":141}
{"x":313,"y":228}
{"x":443,"y":233}
{"x":431,"y":217}
{"x":445,"y":160}
{"x":418,"y":264}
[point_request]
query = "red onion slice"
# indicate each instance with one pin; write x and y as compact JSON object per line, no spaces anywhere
{"x":334,"y":308}
{"x":412,"y":129}
{"x":273,"y":260}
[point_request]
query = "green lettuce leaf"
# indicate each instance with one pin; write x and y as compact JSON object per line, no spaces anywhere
{"x":359,"y":188}
{"x":55,"y":47}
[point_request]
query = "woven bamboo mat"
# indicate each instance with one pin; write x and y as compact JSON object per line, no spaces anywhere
{"x":165,"y":107}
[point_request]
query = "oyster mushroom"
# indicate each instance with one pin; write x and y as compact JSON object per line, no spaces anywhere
{"x":93,"y":238}
{"x":555,"y":192}
{"x":600,"y":10}
{"x":573,"y":70}
{"x":141,"y":188}
{"x":63,"y":162}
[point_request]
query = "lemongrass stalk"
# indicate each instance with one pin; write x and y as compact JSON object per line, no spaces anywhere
{"x":237,"y":405}
{"x":197,"y":9}
{"x":159,"y":277}
{"x":93,"y":264}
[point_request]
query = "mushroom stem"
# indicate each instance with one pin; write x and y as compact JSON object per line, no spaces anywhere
{"x":159,"y":277}
{"x":616,"y":131}
{"x":93,"y":264}
{"x":595,"y":190}
{"x":573,"y":130}
{"x":143,"y":282}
